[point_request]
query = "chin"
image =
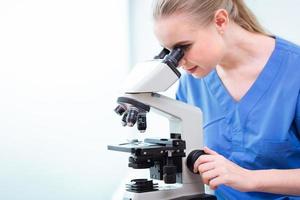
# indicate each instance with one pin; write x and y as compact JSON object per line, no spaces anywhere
{"x":197,"y":76}
{"x":200,"y":74}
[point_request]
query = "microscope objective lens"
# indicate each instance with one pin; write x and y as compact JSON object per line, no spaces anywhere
{"x":124,"y":123}
{"x":142,"y":122}
{"x":120,"y":109}
{"x":132,"y":116}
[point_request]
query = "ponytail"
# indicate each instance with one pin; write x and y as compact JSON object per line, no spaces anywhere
{"x":244,"y":17}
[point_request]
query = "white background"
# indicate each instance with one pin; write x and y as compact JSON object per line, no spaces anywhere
{"x":61,"y":64}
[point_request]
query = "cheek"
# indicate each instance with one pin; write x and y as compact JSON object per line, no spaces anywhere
{"x":208,"y":55}
{"x":203,"y":58}
{"x":216,"y":49}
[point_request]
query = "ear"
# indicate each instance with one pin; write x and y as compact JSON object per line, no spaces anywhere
{"x":221,"y":20}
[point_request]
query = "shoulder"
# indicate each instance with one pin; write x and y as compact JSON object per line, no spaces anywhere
{"x":287,"y":46}
{"x":288,"y":54}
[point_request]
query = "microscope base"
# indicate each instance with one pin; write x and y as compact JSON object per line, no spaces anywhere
{"x":191,"y":197}
{"x":183,"y":192}
{"x":197,"y":197}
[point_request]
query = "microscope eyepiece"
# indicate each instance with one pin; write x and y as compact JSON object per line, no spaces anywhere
{"x":173,"y":58}
{"x":162,"y":54}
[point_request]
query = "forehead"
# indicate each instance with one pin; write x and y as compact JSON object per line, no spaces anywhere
{"x":174,"y":29}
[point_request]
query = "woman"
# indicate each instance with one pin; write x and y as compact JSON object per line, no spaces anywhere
{"x":247,"y":84}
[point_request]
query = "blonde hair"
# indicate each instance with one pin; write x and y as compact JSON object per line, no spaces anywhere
{"x":203,"y":11}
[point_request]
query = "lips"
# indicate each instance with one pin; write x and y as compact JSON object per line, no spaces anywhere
{"x":192,"y":70}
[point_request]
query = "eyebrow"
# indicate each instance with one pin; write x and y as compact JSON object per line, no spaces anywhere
{"x":179,"y":44}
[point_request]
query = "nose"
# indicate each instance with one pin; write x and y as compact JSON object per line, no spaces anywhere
{"x":182,"y":62}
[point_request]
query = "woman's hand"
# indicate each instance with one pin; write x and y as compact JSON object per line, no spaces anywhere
{"x":216,"y":170}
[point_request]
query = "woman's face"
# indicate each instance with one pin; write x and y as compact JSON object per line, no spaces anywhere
{"x":203,"y":46}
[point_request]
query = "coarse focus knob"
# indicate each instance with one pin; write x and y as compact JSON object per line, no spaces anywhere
{"x":192,"y":157}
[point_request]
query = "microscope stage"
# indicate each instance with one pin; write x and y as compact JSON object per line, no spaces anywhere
{"x":150,"y":146}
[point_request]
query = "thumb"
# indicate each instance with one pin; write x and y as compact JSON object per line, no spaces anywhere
{"x":209,"y":151}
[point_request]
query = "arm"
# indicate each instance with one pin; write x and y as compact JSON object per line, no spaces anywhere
{"x":216,"y":170}
{"x":297,"y":115}
{"x":277,"y":181}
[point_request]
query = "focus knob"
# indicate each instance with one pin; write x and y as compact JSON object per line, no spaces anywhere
{"x":192,"y":157}
{"x":169,"y":174}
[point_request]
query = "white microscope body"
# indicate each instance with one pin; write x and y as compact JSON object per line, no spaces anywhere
{"x":186,"y":134}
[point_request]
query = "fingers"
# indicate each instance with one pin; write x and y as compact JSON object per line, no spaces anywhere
{"x":209,"y":175}
{"x":202,"y":159}
{"x":214,"y":183}
{"x":216,"y":170}
{"x":206,"y":167}
{"x":211,"y":156}
{"x":214,"y":178}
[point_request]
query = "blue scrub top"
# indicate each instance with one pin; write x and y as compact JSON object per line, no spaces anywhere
{"x":262,"y":130}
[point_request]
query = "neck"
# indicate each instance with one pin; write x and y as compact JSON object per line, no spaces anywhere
{"x":244,"y":47}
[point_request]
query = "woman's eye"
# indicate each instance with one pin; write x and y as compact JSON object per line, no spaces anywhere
{"x":185,"y":47}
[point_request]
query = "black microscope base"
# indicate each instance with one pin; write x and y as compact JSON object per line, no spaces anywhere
{"x":197,"y":197}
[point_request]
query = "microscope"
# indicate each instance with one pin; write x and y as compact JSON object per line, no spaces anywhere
{"x":170,"y":159}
